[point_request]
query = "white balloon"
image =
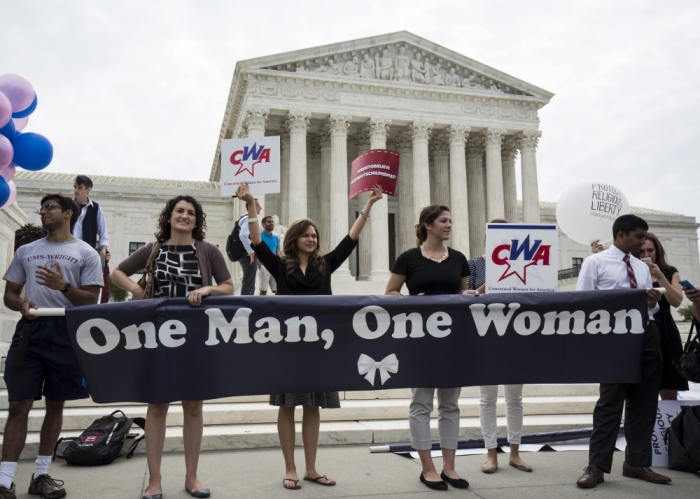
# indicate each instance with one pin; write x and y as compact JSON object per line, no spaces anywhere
{"x":586,"y":212}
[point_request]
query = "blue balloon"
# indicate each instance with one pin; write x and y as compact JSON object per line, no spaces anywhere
{"x":33,"y":152}
{"x":4,"y":191}
{"x":26,"y":112}
{"x":8,"y":130}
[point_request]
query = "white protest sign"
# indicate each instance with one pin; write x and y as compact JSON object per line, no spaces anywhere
{"x":255,"y":161}
{"x":521,"y":258}
{"x":666,"y":412}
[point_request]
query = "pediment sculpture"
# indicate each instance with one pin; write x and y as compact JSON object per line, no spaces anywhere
{"x":402,"y":63}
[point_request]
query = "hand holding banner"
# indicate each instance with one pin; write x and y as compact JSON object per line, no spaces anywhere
{"x":377,"y":166}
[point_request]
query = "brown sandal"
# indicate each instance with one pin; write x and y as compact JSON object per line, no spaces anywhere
{"x":316,"y":480}
{"x":295,"y":482}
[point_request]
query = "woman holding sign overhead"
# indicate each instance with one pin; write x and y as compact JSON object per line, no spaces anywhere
{"x":303,"y":270}
{"x":433,"y":269}
{"x":185,"y":265}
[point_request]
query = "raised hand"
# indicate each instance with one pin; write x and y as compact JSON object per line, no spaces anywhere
{"x":376,"y":194}
{"x":243,"y":193}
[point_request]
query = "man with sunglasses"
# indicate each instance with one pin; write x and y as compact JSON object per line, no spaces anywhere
{"x":58,"y":271}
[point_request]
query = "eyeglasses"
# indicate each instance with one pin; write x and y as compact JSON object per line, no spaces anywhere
{"x":48,"y":207}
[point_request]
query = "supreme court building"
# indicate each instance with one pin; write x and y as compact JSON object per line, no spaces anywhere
{"x":461,"y":127}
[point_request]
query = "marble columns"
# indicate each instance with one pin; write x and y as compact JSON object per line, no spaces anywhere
{"x":404,"y":188}
{"x":441,"y":169}
{"x":379,"y":217}
{"x":459,"y":197}
{"x":364,"y":246}
{"x":297,"y":124}
{"x":284,"y":177}
{"x":476,"y":196}
{"x":510,"y":190}
{"x":325,"y":216}
{"x":495,"y":207}
{"x":254,"y":120}
{"x":338,"y":127}
{"x":420,"y":133}
{"x":527,"y":143}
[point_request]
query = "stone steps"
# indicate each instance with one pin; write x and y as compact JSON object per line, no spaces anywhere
{"x":246,"y":436}
{"x":77,"y":418}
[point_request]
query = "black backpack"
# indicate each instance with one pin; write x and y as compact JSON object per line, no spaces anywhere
{"x":684,"y":441}
{"x":234,"y":246}
{"x":102,"y":442}
{"x":688,"y":364}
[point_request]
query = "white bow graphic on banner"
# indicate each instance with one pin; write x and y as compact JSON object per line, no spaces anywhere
{"x":367,"y":365}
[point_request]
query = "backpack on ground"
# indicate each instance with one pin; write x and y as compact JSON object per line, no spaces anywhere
{"x":684,"y":441}
{"x":234,"y":245}
{"x":102,"y":442}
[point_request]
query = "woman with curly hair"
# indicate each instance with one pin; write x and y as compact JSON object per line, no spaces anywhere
{"x":185,"y":266}
{"x":303,"y":270}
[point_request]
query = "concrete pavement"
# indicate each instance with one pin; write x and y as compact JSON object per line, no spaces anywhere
{"x":257,"y":473}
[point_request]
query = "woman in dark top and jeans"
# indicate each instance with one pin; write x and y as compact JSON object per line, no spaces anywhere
{"x":186,"y":266}
{"x":433,"y":269}
{"x":303,"y":270}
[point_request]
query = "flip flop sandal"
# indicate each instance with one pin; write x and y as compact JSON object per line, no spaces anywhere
{"x":316,"y":480}
{"x":295,"y":482}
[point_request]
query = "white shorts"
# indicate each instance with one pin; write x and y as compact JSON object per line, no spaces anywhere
{"x":267,"y":279}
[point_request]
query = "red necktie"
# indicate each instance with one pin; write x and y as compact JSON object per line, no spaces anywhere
{"x":630,"y":272}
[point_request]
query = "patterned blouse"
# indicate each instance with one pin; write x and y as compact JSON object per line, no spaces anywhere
{"x":477,"y":272}
{"x":177,"y":271}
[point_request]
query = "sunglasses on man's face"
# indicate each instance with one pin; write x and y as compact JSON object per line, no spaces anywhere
{"x":49,"y":207}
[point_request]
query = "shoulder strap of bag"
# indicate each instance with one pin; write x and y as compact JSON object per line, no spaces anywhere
{"x":149,"y":263}
{"x":690,"y":341}
{"x":55,"y":449}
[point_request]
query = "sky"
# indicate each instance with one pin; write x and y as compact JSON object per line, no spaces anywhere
{"x":134,"y":88}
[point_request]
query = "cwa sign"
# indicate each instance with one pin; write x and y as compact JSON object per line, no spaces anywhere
{"x":255,"y":161}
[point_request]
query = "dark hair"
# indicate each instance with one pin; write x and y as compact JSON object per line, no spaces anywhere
{"x":291,"y":253}
{"x":427,"y":216}
{"x":163,"y":233}
{"x":660,"y":253}
{"x":628,"y":223}
{"x":65,"y":204}
{"x":265,"y":218}
{"x":499,"y":221}
{"x":84,"y":180}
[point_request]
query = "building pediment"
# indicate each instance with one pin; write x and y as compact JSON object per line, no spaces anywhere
{"x":400,"y":57}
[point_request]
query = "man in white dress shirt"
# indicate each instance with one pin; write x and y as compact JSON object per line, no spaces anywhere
{"x":616,"y":268}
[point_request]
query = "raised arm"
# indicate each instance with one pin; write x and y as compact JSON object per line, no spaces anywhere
{"x":364,"y":214}
{"x":674,"y":291}
{"x":243,"y":193}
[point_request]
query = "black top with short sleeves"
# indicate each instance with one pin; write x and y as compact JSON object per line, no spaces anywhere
{"x":429,"y":277}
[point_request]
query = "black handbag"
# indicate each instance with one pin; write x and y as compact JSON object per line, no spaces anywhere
{"x":688,"y":364}
{"x":684,"y":441}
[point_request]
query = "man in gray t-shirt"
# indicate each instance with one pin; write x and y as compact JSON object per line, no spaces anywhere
{"x":57,"y":271}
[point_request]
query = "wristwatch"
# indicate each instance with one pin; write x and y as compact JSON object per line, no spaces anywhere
{"x":67,"y":288}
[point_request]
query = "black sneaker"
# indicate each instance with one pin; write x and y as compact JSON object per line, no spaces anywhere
{"x":6,"y":493}
{"x":47,"y":487}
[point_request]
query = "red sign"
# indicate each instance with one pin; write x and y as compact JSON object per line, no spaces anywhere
{"x":378,"y":166}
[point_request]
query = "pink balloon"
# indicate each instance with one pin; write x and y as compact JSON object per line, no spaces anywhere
{"x":13,"y":195}
{"x":18,"y":90}
{"x":6,"y":151}
{"x":8,"y":173}
{"x":5,"y":110}
{"x":20,"y":123}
